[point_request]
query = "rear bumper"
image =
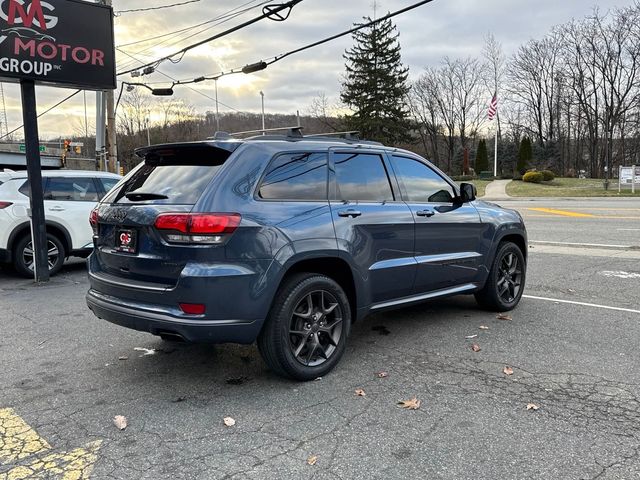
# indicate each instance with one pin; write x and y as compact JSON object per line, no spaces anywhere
{"x":155,"y":321}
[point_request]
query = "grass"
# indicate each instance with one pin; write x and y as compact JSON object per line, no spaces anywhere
{"x":568,"y":187}
{"x":481,"y":185}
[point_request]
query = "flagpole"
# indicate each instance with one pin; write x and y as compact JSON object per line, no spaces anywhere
{"x":495,"y":161}
{"x":493,"y":115}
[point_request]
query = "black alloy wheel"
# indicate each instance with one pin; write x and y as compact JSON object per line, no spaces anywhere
{"x":316,"y":328}
{"x":510,"y":277}
{"x":504,"y":286}
{"x":306,"y":332}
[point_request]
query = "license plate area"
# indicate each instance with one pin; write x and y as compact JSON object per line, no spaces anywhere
{"x":126,"y":240}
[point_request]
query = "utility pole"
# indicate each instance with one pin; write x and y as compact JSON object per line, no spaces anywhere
{"x":217,"y":109}
{"x":101,"y":129}
{"x":112,"y":147}
{"x":263,"y":124}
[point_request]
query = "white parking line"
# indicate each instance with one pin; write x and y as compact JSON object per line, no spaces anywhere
{"x":594,"y":305}
{"x":583,"y":245}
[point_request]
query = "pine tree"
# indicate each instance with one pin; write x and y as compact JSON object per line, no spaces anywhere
{"x":525,"y":155}
{"x":375,"y":85}
{"x":482,"y":157}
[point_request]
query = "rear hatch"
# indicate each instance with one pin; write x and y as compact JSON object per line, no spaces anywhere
{"x":144,"y":229}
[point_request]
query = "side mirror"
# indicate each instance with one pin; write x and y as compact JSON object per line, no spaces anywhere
{"x":468,"y":192}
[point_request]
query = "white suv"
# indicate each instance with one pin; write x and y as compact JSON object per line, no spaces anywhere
{"x":69,"y":197}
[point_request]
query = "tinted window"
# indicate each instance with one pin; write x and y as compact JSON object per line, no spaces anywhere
{"x":181,"y":184}
{"x":25,"y":189}
{"x":82,"y":189}
{"x":420,"y":183}
{"x":362,"y":177}
{"x":296,"y":177}
{"x":109,"y":183}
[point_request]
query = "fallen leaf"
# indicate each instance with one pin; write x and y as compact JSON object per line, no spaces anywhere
{"x":145,"y":351}
{"x":312,"y":460}
{"x":502,"y":316}
{"x":471,"y":337}
{"x":123,"y":358}
{"x":508,"y":371}
{"x":532,"y":406}
{"x":484,"y":327}
{"x":413,"y":404}
{"x":120,"y":422}
{"x":475,"y":347}
{"x":382,"y":374}
{"x":229,"y":422}
{"x":360,"y":392}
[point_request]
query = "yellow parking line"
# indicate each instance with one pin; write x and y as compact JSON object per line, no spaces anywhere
{"x":17,"y":439}
{"x":21,"y":446}
{"x":563,"y":213}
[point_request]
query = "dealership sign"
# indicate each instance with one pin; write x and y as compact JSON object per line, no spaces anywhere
{"x":57,"y":42}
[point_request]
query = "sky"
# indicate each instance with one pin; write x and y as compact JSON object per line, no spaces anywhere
{"x":454,"y":28}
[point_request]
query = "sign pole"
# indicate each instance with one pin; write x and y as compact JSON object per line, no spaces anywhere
{"x":34,"y":173}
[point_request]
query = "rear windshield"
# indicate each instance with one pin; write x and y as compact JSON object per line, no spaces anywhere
{"x":181,"y":184}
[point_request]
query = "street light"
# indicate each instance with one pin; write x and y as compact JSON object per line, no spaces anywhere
{"x":263,"y":124}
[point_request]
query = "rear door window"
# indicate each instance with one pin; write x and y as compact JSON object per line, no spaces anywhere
{"x":361,"y":177}
{"x":296,"y":176}
{"x":80,"y":189}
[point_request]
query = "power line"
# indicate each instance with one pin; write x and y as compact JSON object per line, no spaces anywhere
{"x":174,"y":80}
{"x":159,"y":7}
{"x":45,"y":112}
{"x":271,"y":60}
{"x":232,"y":14}
{"x":220,"y":17}
{"x":272,"y":12}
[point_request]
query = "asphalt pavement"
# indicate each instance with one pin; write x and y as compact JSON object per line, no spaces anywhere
{"x":65,"y":375}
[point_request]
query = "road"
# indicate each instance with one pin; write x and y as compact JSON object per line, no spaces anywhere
{"x":65,"y":375}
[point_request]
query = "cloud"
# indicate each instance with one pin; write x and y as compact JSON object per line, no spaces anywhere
{"x":443,"y":27}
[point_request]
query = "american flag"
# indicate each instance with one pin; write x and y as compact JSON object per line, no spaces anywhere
{"x":493,"y":107}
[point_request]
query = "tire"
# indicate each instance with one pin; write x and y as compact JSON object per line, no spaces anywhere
{"x":23,"y":255}
{"x":306,"y":331}
{"x":505,"y":284}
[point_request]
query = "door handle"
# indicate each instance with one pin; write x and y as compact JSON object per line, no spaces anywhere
{"x":426,"y":213}
{"x":349,"y":213}
{"x":57,"y":209}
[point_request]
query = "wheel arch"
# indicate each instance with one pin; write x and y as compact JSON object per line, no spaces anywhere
{"x":518,"y":239}
{"x":335,"y":268}
{"x":53,"y":228}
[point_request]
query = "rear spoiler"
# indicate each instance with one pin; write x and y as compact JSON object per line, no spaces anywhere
{"x":188,"y":152}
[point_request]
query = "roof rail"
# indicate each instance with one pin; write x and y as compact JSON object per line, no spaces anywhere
{"x":293,"y":132}
{"x":350,"y":135}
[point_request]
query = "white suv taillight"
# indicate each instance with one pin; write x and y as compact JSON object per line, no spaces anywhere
{"x":200,"y":228}
{"x":93,"y":220}
{"x":4,"y":205}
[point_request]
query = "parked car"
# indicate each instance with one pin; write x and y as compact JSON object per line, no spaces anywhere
{"x":288,"y":240}
{"x":5,"y":174}
{"x":69,"y":197}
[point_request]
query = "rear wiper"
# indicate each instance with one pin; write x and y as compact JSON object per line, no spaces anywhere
{"x":141,"y":196}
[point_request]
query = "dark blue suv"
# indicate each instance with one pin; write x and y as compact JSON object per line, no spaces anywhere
{"x":288,"y":240}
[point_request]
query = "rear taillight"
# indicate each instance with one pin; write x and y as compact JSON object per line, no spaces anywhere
{"x":4,"y":205}
{"x":203,"y":228}
{"x":93,"y":220}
